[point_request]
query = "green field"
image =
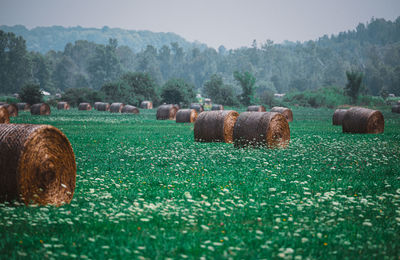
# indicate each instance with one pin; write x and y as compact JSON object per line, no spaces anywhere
{"x":145,"y":189}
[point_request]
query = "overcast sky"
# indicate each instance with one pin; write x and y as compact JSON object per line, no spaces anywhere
{"x":232,"y":23}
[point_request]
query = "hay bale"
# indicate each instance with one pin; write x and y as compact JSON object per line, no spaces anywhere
{"x":37,"y":165}
{"x":96,"y":104}
{"x":23,"y":106}
{"x":85,"y":106}
{"x":260,"y":108}
{"x":128,"y":109}
{"x":186,"y":116}
{"x":268,"y":129}
{"x":396,"y":108}
{"x":338,"y":116}
{"x":146,"y":104}
{"x":166,"y":112}
{"x":215,"y":126}
{"x":4,"y":116}
{"x":12,"y":108}
{"x":217,"y":107}
{"x":102,"y":106}
{"x":40,"y":109}
{"x":199,"y":107}
{"x":116,"y":107}
{"x":63,"y":105}
{"x":284,"y":111}
{"x":363,"y":120}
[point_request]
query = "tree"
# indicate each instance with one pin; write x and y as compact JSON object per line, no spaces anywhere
{"x":142,"y":85}
{"x":176,"y":91}
{"x":247,"y":82}
{"x":74,"y":96}
{"x":219,"y":92}
{"x":31,"y":94}
{"x":353,"y":85}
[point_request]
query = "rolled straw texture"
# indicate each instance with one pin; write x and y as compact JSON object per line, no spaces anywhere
{"x":40,"y":109}
{"x":215,"y":126}
{"x":4,"y":116}
{"x":166,"y":112}
{"x":85,"y":106}
{"x":128,"y":109}
{"x":63,"y":106}
{"x":96,"y":104}
{"x":23,"y":106}
{"x":268,"y":129}
{"x":284,"y":111}
{"x":217,"y":107}
{"x":37,"y":165}
{"x":146,"y":104}
{"x":12,"y":109}
{"x":363,"y":120}
{"x":260,"y":108}
{"x":199,"y":107}
{"x":186,"y":116}
{"x":338,"y":116}
{"x":116,"y":107}
{"x":102,"y":106}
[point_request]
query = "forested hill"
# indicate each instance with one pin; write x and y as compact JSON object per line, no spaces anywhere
{"x":44,"y":39}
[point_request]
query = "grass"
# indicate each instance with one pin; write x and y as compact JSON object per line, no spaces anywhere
{"x":145,"y":189}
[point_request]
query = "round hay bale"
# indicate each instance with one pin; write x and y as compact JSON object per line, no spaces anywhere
{"x":186,"y":116}
{"x":199,"y":107}
{"x":396,"y":108}
{"x":37,"y":165}
{"x":4,"y":115}
{"x":128,"y":109}
{"x":96,"y":104}
{"x":338,"y":116}
{"x":23,"y":106}
{"x":116,"y":107}
{"x":63,"y":106}
{"x":85,"y":106}
{"x":40,"y":109}
{"x":215,"y":126}
{"x":268,"y":129}
{"x":12,"y":109}
{"x":260,"y":108}
{"x":146,"y":104}
{"x":363,"y":120}
{"x":284,"y":111}
{"x":166,"y":112}
{"x":217,"y":107}
{"x":102,"y":106}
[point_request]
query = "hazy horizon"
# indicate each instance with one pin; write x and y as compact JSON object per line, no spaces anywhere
{"x":233,"y":24}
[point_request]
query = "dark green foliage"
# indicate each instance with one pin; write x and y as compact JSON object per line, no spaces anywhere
{"x":176,"y":91}
{"x":74,"y":96}
{"x":353,"y":85}
{"x":31,"y":94}
{"x":246,"y":81}
{"x":219,"y":92}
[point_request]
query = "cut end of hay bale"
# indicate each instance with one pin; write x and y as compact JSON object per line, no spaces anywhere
{"x":260,"y":108}
{"x":146,"y":104}
{"x":128,"y":109}
{"x":167,"y":112}
{"x":4,"y":116}
{"x":338,"y":116}
{"x":116,"y":107}
{"x":85,"y":106}
{"x":12,"y":109}
{"x":40,"y":109}
{"x":37,"y":165}
{"x":284,"y":111}
{"x":63,"y":105}
{"x":186,"y":116}
{"x":363,"y":121}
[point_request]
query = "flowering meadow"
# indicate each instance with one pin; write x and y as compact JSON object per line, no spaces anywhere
{"x":145,"y":189}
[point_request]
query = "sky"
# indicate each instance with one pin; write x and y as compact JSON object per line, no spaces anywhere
{"x":232,"y":23}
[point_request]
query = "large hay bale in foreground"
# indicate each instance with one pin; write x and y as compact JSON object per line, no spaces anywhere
{"x":396,"y":108}
{"x":217,"y":107}
{"x":260,"y":108}
{"x":199,"y":107}
{"x":284,"y":111}
{"x":363,"y":120}
{"x":23,"y":106}
{"x":166,"y":112}
{"x":37,"y":165}
{"x":12,"y":109}
{"x":4,"y":115}
{"x":116,"y":107}
{"x":146,"y":104}
{"x":85,"y":106}
{"x":40,"y":109}
{"x":128,"y":109}
{"x":269,"y":129}
{"x":63,"y":105}
{"x":215,"y":126}
{"x":101,"y":106}
{"x":338,"y":116}
{"x":186,"y":116}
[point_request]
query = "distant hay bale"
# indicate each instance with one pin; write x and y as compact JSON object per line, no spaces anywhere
{"x":23,"y":106}
{"x":215,"y":126}
{"x":199,"y":107}
{"x":363,"y":120}
{"x":116,"y":107}
{"x":4,"y":116}
{"x":85,"y":106}
{"x":63,"y":106}
{"x":284,"y":111}
{"x":101,"y":106}
{"x":338,"y":116}
{"x":260,"y":108}
{"x":146,"y":104}
{"x":217,"y":107}
{"x":166,"y":112}
{"x":37,"y":165}
{"x":186,"y":116}
{"x":96,"y":104}
{"x":396,"y":108}
{"x":12,"y":109}
{"x":128,"y":109}
{"x":40,"y":109}
{"x":268,"y":129}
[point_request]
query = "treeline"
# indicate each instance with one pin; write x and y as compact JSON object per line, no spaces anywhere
{"x":372,"y":49}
